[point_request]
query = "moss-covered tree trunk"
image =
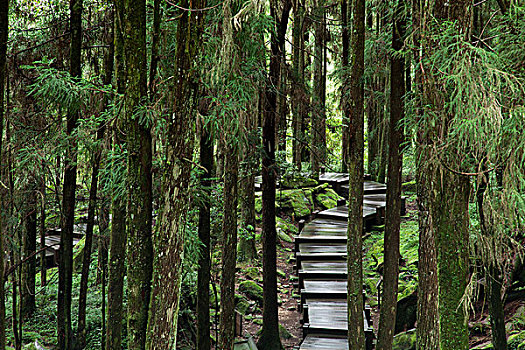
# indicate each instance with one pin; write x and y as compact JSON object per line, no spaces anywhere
{"x":65,"y":268}
{"x":298,"y":82}
{"x":43,"y":274}
{"x":427,"y":332}
{"x":248,"y":165}
{"x":118,"y":233}
{"x":388,"y":310}
{"x":493,"y":274}
{"x":27,"y":287}
{"x":269,"y":339}
{"x":4,"y":27}
{"x":318,"y":135}
{"x":155,"y":56}
{"x":345,"y":89}
{"x":138,"y":142}
{"x":229,"y":247}
{"x":356,"y":334}
{"x":203,"y":274}
{"x":448,"y":192}
{"x":169,"y":235}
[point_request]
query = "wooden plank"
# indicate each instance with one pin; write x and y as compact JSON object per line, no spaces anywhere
{"x":369,"y":187}
{"x":341,"y":213}
{"x":306,"y":248}
{"x":323,"y":342}
{"x":330,"y":316}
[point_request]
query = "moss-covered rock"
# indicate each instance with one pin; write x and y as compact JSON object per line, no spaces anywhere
{"x":298,"y":182}
{"x":253,"y":273}
{"x":296,"y":202}
{"x":405,"y":341}
{"x":286,"y":226}
{"x":327,"y":198}
{"x":283,"y":236}
{"x":243,"y":306}
{"x":252,"y":290}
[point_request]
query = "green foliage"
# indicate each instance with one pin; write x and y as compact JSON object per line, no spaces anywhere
{"x":57,"y":89}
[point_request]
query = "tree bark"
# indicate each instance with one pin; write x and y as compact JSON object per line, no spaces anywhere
{"x":493,"y":276}
{"x":393,"y":195}
{"x":345,"y":106}
{"x":43,"y":274}
{"x":298,"y":82}
{"x":155,"y":40}
{"x":139,"y":205}
{"x":27,"y":287}
{"x":318,"y":135}
{"x":447,"y":192}
{"x":65,"y":269}
{"x":269,"y":339}
{"x":246,"y":249}
{"x":118,"y":233}
{"x":4,"y":28}
{"x":203,"y":278}
{"x":169,"y":239}
{"x":229,"y":248}
{"x":427,"y":332}
{"x":356,"y":335}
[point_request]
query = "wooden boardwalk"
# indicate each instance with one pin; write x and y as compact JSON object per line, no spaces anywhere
{"x":320,"y":254}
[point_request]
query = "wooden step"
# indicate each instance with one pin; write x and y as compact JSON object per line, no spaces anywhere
{"x":323,"y":342}
{"x":329,"y":317}
{"x":305,"y":248}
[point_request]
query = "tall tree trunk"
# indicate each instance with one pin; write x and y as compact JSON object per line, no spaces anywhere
{"x":448,"y":192}
{"x":317,"y":149}
{"x":155,"y":57}
{"x":307,"y":98}
{"x":203,"y":277}
{"x":4,"y":28}
{"x":118,"y":233}
{"x":230,"y":198}
{"x":282,"y":104}
{"x":229,"y":248}
{"x":28,"y":269}
{"x":493,"y":275}
{"x":345,"y":106}
{"x":269,"y":339}
{"x":427,"y":332}
{"x":139,"y":205}
{"x":246,"y":249}
{"x":65,"y":268}
{"x":86,"y":257}
{"x":298,"y":82}
{"x":388,"y":310}
{"x":43,"y":275}
{"x":169,"y":239}
{"x":356,"y":335}
{"x":103,"y":225}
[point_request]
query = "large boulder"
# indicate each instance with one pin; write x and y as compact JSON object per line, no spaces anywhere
{"x":252,"y":290}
